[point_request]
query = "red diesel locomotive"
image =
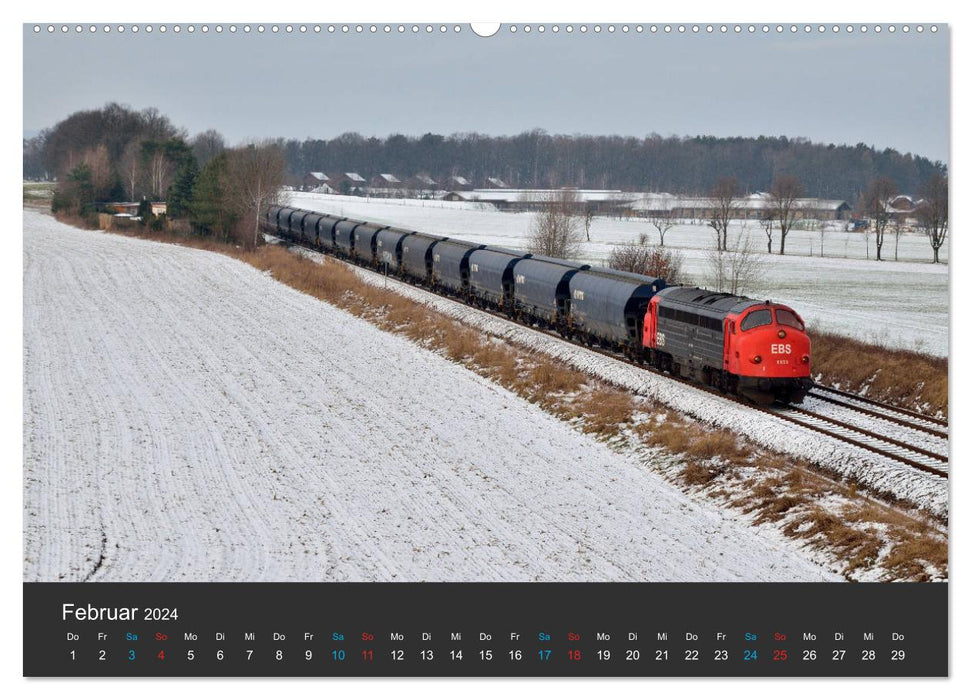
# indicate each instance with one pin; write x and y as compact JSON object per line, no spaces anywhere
{"x":759,"y":350}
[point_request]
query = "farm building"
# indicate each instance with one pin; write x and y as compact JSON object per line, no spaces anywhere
{"x":528,"y":200}
{"x":752,"y":206}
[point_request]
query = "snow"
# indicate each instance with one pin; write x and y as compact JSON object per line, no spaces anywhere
{"x":187,"y":417}
{"x":901,"y":304}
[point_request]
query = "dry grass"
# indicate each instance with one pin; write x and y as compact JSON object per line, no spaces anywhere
{"x":858,"y":547}
{"x":779,"y":489}
{"x":903,"y":377}
{"x":776,"y":488}
{"x":605,"y":411}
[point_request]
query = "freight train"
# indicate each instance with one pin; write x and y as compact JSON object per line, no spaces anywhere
{"x":755,"y":349}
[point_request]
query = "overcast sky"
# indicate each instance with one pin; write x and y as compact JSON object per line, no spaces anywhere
{"x":888,"y":90}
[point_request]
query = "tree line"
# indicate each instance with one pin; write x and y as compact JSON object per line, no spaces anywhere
{"x":689,"y":165}
{"x":117,"y":154}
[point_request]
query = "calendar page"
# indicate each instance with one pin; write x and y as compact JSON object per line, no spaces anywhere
{"x":515,"y":349}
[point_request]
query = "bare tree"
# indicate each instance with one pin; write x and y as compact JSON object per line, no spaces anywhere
{"x":587,"y":221}
{"x":556,"y":230}
{"x":768,"y":225}
{"x":158,"y":166}
{"x":206,"y":145}
{"x":99,"y":162}
{"x":783,"y":196}
{"x":876,"y":200}
{"x":663,"y":218}
{"x":933,"y":211}
{"x":131,"y":168}
{"x":897,"y":226}
{"x":724,"y":201}
{"x":649,"y":260}
{"x":255,"y":175}
{"x":737,"y":270}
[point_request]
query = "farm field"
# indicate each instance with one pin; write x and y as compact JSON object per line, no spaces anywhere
{"x":187,"y":417}
{"x":899,"y":304}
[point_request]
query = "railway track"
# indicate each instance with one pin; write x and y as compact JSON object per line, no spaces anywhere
{"x":911,"y":455}
{"x":901,"y":416}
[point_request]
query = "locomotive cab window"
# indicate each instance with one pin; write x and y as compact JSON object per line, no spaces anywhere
{"x":787,"y":318}
{"x":762,"y":317}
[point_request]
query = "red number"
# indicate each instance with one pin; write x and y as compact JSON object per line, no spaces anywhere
{"x":779,"y":655}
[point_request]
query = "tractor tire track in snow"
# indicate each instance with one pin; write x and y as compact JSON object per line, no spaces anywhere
{"x":187,"y":417}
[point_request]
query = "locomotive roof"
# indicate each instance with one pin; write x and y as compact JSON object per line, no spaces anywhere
{"x":707,"y":300}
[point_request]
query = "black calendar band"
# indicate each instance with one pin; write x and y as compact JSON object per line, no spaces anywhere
{"x":467,"y":629}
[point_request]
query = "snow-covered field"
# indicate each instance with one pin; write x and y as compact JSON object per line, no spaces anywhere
{"x":901,"y":304}
{"x":188,"y":418}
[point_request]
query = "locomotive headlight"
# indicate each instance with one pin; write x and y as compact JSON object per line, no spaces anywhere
{"x":805,"y":359}
{"x":782,"y":333}
{"x":757,"y":359}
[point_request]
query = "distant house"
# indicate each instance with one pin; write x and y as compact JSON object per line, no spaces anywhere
{"x":315,"y":180}
{"x":457,"y":183}
{"x":386,"y":185}
{"x":421,"y":182}
{"x":124,"y":208}
{"x":903,"y":206}
{"x":494,"y":183}
{"x":348,"y":183}
{"x":128,"y":209}
{"x":385,"y":180}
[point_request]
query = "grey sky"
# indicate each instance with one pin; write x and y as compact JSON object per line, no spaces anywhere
{"x":888,"y":90}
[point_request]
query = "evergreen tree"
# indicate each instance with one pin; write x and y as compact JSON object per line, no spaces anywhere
{"x":209,"y":211}
{"x":181,"y":191}
{"x":76,"y":191}
{"x":145,"y":212}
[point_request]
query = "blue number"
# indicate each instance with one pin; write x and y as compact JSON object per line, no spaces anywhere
{"x":751,"y":655}
{"x":131,"y":654}
{"x":338,"y":654}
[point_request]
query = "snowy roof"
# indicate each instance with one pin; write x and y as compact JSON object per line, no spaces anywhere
{"x":820,"y":204}
{"x":515,"y":195}
{"x":319,"y":176}
{"x":389,"y":177}
{"x":903,"y":204}
{"x":425,"y":180}
{"x":662,"y":201}
{"x":459,"y":179}
{"x":496,"y":182}
{"x":355,"y":177}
